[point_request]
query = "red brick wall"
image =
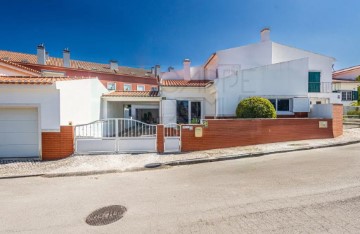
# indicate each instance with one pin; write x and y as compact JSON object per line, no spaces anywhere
{"x":57,"y":145}
{"x":337,"y":124}
{"x":160,"y":138}
{"x":231,"y":133}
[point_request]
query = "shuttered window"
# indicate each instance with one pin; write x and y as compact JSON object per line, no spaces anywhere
{"x":314,"y":82}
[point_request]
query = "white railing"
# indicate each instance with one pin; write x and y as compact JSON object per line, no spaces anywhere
{"x":115,"y":128}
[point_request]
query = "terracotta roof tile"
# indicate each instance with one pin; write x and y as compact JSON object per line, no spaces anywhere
{"x":132,"y":94}
{"x":19,"y":66}
{"x":74,"y":64}
{"x":35,"y":80}
{"x":186,"y":83}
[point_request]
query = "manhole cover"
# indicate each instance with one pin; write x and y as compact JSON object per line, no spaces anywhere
{"x":106,"y":215}
{"x":152,"y":165}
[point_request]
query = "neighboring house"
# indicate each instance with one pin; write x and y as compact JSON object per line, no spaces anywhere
{"x":31,"y":107}
{"x":292,"y":79}
{"x":140,"y":105}
{"x":346,"y":85}
{"x":112,"y":76}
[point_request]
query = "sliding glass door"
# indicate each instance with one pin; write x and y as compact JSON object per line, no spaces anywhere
{"x":188,"y":112}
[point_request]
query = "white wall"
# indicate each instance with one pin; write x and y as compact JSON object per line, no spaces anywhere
{"x":321,"y":111}
{"x":317,"y":62}
{"x":287,"y":80}
{"x":206,"y":95}
{"x":196,"y":73}
{"x":80,"y":100}
{"x":249,"y":56}
{"x":47,"y":97}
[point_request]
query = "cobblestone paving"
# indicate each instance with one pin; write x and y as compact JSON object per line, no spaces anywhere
{"x":123,"y":162}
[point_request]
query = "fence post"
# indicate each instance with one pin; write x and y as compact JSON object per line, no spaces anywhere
{"x":160,"y":138}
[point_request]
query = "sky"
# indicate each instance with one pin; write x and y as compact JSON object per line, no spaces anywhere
{"x":144,"y":33}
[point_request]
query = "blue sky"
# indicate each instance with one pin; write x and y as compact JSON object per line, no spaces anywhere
{"x":144,"y":33}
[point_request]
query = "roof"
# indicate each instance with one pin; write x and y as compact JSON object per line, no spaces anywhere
{"x":35,"y":80}
{"x":24,"y":59}
{"x":132,"y":94}
{"x":19,"y":66}
{"x":186,"y":83}
{"x":346,"y":69}
{"x":338,"y":80}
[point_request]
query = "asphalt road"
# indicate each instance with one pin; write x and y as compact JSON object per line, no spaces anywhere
{"x":315,"y":191}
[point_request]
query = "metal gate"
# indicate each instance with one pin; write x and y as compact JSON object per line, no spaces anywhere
{"x":115,"y":135}
{"x":172,"y":137}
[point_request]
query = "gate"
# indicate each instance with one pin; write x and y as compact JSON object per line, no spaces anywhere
{"x":114,"y":136}
{"x":172,"y":137}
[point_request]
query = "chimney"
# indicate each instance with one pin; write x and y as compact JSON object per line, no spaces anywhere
{"x":152,"y":70}
{"x":47,"y":56}
{"x":187,"y":63}
{"x":41,"y":54}
{"x":157,"y":70}
{"x":265,"y":34}
{"x":66,"y":57}
{"x":114,"y":65}
{"x":170,"y":69}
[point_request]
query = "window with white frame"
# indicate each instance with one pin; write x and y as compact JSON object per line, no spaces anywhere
{"x":127,"y":87}
{"x":346,"y":96}
{"x":111,"y":85}
{"x":140,"y":88}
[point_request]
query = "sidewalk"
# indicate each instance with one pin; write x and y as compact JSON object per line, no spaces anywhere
{"x":94,"y":164}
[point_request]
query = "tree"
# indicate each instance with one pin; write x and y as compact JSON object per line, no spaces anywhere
{"x":255,"y":107}
{"x":357,"y":78}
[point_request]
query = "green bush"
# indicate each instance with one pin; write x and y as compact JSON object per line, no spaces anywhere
{"x":255,"y":107}
{"x":354,"y":112}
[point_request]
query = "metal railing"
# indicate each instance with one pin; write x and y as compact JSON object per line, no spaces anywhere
{"x":172,"y":130}
{"x":320,"y":87}
{"x":115,"y":128}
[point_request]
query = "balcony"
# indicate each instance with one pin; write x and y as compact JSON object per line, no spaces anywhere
{"x":320,"y":87}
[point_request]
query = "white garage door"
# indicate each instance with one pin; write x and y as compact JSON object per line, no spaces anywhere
{"x":19,"y":135}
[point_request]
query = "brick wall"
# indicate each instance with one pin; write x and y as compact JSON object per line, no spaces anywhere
{"x":236,"y":132}
{"x":160,"y":138}
{"x":57,"y":145}
{"x":337,"y":123}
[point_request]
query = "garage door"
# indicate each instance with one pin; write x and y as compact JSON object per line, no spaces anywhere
{"x":19,"y":135}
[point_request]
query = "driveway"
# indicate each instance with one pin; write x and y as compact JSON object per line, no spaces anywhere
{"x":314,"y":191}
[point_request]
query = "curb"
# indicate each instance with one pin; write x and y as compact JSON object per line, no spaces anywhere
{"x":180,"y":163}
{"x":253,"y":155}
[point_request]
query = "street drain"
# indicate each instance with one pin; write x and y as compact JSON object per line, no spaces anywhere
{"x":152,"y":165}
{"x":106,"y":215}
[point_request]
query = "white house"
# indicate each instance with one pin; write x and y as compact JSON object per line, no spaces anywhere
{"x":292,"y":79}
{"x":345,"y":83}
{"x":31,"y":106}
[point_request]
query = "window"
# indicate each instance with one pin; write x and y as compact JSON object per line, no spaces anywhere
{"x":188,"y":112}
{"x":154,"y":88}
{"x":314,"y":82}
{"x":127,"y":87}
{"x":346,"y":96}
{"x":283,"y":105}
{"x":111,"y":85}
{"x":140,"y":88}
{"x":273,"y":102}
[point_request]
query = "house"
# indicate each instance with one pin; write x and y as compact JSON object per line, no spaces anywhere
{"x":113,"y":76}
{"x":37,"y":113}
{"x":292,"y":79}
{"x":345,"y":83}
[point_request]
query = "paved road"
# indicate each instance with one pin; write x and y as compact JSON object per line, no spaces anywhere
{"x":315,"y":191}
